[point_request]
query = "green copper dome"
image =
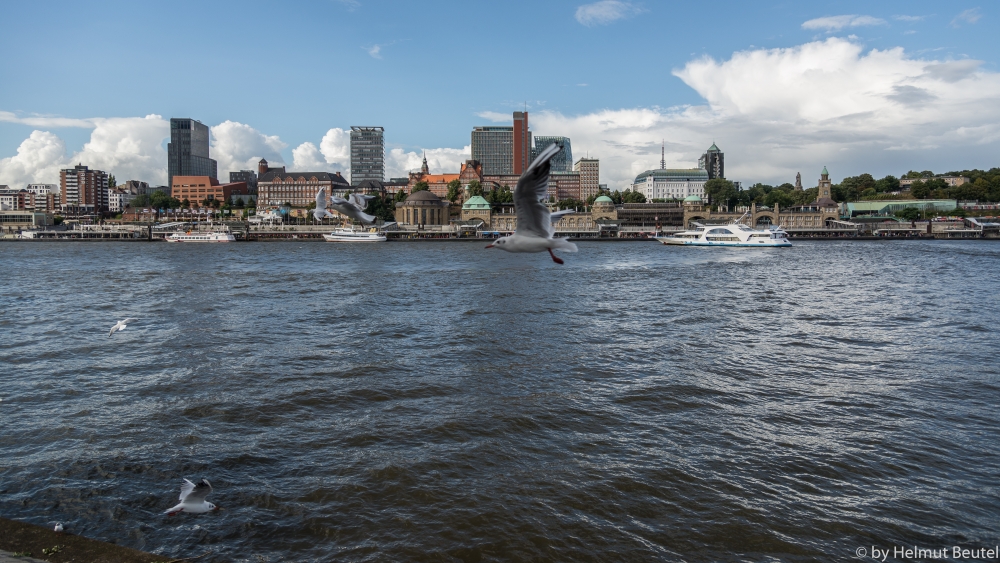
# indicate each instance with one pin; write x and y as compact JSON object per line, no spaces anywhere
{"x":476,"y":202}
{"x":714,"y":148}
{"x":604,"y":199}
{"x":824,"y":171}
{"x":692,"y":199}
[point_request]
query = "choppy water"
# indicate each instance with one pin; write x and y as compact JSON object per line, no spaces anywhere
{"x":441,"y":402}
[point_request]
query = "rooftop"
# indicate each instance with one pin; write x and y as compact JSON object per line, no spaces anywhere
{"x":696,"y":174}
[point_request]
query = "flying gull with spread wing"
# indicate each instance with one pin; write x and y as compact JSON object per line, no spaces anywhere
{"x":534,"y":232}
{"x":354,"y":207}
{"x":120,"y":325}
{"x":193,"y":498}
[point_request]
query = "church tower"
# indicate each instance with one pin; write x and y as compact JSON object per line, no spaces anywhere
{"x":425,"y":169}
{"x":824,"y":198}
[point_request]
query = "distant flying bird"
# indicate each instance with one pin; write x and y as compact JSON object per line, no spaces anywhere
{"x":353,"y":207}
{"x":121,"y":326}
{"x":59,"y":527}
{"x":193,"y":498}
{"x":534,"y":232}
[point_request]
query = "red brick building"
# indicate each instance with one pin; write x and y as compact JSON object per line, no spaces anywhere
{"x":196,"y":189}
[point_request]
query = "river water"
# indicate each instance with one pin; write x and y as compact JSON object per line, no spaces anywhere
{"x":437,"y":401}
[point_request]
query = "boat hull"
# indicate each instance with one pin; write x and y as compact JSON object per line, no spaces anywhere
{"x":215,"y":237}
{"x":687,"y":242}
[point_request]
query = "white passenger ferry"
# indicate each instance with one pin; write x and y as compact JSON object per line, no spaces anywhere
{"x":348,"y":234}
{"x":734,"y":234}
{"x":214,"y":236}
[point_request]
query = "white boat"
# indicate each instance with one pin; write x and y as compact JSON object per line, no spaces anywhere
{"x":733,"y":234}
{"x":352,"y":235}
{"x":212,"y":236}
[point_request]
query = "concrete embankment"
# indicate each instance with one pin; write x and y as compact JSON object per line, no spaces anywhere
{"x":21,"y":542}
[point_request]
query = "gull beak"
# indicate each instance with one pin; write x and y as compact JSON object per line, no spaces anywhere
{"x":490,"y":246}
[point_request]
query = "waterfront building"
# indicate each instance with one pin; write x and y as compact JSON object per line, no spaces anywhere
{"x":197,"y":189}
{"x":422,"y":208}
{"x":41,"y":189}
{"x":522,"y":143}
{"x":564,"y":185}
{"x":248,"y":177}
{"x":589,"y":170}
{"x":187,"y":151}
{"x":561,"y":162}
{"x":119,"y":198}
{"x":11,"y":200}
{"x":671,"y":183}
{"x":276,"y":187}
{"x":713,"y":162}
{"x":952,"y":181}
{"x":367,"y":154}
{"x":494,"y":147}
{"x":438,"y":183}
{"x":82,"y":190}
{"x":135,"y":187}
{"x":15,"y":220}
{"x":824,"y":197}
{"x":660,"y":214}
{"x":395,"y":185}
{"x":891,"y":207}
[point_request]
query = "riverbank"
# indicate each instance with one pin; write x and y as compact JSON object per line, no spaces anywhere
{"x":20,"y":540}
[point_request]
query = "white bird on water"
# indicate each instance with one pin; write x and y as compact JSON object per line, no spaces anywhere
{"x":59,"y":527}
{"x":353,"y":207}
{"x":121,"y":326}
{"x":534,"y":232}
{"x":193,"y":498}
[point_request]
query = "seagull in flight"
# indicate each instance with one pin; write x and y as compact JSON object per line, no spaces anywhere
{"x":534,"y":232}
{"x":193,"y":498}
{"x":121,"y":325}
{"x":353,"y":207}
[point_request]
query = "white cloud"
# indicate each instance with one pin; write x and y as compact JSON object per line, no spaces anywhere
{"x":836,"y":23}
{"x":333,"y":154}
{"x":237,"y":146}
{"x":495,"y":116}
{"x":904,"y":18}
{"x":779,"y":111}
{"x":605,"y":12}
{"x":46,"y":121}
{"x":968,"y":16}
{"x":374,"y":51}
{"x":128,"y":147}
{"x":440,"y":161}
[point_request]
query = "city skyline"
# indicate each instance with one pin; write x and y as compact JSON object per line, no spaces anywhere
{"x":782,"y":89}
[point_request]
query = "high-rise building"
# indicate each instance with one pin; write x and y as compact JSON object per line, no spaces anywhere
{"x":713,"y":162}
{"x":563,"y":160}
{"x":522,"y":142}
{"x":493,"y":146}
{"x":187,"y":151}
{"x":249,"y":177}
{"x":367,"y":154}
{"x":84,"y":190}
{"x":590,"y":176}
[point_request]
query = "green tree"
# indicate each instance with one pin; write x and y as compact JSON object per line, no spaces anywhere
{"x":421,"y":186}
{"x":908,"y":213}
{"x":400,"y":196}
{"x":721,"y":191}
{"x":569,"y":203}
{"x":779,"y":197}
{"x":888,"y":184}
{"x":633,"y":197}
{"x":453,"y":189}
{"x":919,"y":189}
{"x":383,"y":208}
{"x":111,"y":181}
{"x":141,"y":200}
{"x":186,"y":203}
{"x":475,"y":188}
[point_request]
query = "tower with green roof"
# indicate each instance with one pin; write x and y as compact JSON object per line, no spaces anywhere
{"x":713,"y":162}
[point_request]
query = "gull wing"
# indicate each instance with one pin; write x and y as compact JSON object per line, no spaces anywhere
{"x":555,"y":216}
{"x":128,"y":320}
{"x":361,"y":200}
{"x":195,"y":493}
{"x":113,"y":329}
{"x":533,"y":186}
{"x":321,"y":199}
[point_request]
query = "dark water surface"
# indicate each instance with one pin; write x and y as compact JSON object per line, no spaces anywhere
{"x":442,"y":402}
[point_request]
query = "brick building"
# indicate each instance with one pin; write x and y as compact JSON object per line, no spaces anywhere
{"x":275,"y":186}
{"x":197,"y":189}
{"x":83,"y":190}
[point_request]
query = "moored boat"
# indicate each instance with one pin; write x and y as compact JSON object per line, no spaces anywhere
{"x":348,"y":234}
{"x":212,"y":236}
{"x":733,"y":234}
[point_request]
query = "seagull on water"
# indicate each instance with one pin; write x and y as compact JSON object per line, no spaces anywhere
{"x":534,"y":232}
{"x":121,"y":326}
{"x":353,"y":207}
{"x":193,"y":498}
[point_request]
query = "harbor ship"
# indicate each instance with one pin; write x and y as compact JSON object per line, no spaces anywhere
{"x":213,"y":236}
{"x":351,"y":235}
{"x":733,"y":234}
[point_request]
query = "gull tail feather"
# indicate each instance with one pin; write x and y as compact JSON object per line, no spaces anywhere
{"x":564,"y":244}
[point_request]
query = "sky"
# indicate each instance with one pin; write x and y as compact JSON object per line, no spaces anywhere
{"x":781,"y":87}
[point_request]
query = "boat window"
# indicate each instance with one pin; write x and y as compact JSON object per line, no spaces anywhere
{"x":719,"y":232}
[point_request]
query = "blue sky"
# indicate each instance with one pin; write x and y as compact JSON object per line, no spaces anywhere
{"x":429,"y":71}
